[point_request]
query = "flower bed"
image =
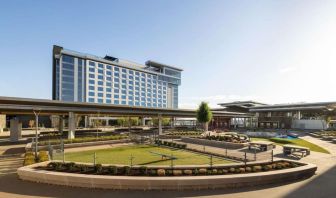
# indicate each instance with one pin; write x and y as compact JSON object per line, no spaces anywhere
{"x":84,"y":139}
{"x":29,"y":158}
{"x":99,"y":169}
{"x":170,"y":144}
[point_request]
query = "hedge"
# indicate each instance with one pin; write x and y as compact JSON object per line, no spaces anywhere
{"x":99,"y":169}
{"x":84,"y":139}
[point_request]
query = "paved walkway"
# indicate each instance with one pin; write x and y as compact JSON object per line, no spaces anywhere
{"x":320,"y":185}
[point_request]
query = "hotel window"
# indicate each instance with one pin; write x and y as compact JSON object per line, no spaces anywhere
{"x":137,"y":104}
{"x":116,"y":68}
{"x":130,"y":97}
{"x":108,"y":84}
{"x":130,"y":103}
{"x":143,"y":104}
{"x":101,"y":71}
{"x":109,"y":67}
{"x":108,"y":90}
{"x":101,"y":77}
{"x":137,"y":73}
{"x":137,"y":78}
{"x":108,"y":73}
{"x":116,"y":80}
{"x":92,"y":69}
{"x":123,"y":102}
{"x":116,"y":90}
{"x":108,"y":96}
{"x":143,"y":74}
{"x":116,"y":101}
{"x":123,"y":96}
{"x":130,"y":87}
{"x":101,"y":66}
{"x":100,"y":89}
{"x":116,"y":96}
{"x":123,"y":91}
{"x":91,"y":94}
{"x":130,"y":92}
{"x":116,"y":74}
{"x":108,"y":78}
{"x":123,"y":81}
{"x":123,"y":70}
{"x":130,"y":72}
{"x":100,"y":83}
{"x":91,"y":76}
{"x":100,"y":100}
{"x":108,"y":101}
{"x":92,"y":63}
{"x":91,"y":82}
{"x":123,"y":86}
{"x":91,"y":100}
{"x":91,"y":88}
{"x":100,"y":95}
{"x":123,"y":76}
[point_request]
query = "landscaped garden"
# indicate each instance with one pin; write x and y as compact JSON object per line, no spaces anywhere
{"x":142,"y":155}
{"x":297,"y":141}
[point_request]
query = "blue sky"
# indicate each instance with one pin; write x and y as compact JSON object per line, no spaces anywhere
{"x":270,"y":51}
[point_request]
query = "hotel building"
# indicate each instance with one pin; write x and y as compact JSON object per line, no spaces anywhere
{"x":81,"y":77}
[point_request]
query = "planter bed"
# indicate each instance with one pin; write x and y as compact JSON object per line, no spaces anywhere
{"x":165,"y":178}
{"x":29,"y":146}
{"x":214,"y":143}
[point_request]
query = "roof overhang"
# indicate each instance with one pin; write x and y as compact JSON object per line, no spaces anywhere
{"x":17,"y":106}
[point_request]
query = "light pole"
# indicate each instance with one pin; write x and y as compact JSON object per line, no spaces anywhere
{"x":36,"y":113}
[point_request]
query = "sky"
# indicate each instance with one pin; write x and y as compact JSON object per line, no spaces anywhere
{"x":281,"y":51}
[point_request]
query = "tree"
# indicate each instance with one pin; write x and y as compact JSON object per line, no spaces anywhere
{"x":204,"y":115}
{"x":134,"y":121}
{"x":122,"y":121}
{"x":165,"y":121}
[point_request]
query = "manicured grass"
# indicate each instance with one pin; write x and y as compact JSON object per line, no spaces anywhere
{"x":298,"y":142}
{"x":141,"y":156}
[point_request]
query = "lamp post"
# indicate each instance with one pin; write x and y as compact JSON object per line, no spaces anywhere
{"x":36,"y":113}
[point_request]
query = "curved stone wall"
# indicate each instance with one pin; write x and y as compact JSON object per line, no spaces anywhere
{"x":29,"y":173}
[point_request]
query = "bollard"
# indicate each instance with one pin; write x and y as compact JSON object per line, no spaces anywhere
{"x":63,"y":157}
{"x":272,"y":155}
{"x":226,"y":152}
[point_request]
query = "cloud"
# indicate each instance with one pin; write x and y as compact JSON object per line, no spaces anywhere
{"x":193,"y":101}
{"x":287,"y":70}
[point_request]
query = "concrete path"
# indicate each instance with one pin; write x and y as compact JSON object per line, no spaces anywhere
{"x":320,"y":185}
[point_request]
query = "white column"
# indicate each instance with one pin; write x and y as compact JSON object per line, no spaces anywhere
{"x":299,"y":115}
{"x":2,"y":122}
{"x":71,"y":125}
{"x":143,"y":121}
{"x":160,"y":124}
{"x":15,"y":130}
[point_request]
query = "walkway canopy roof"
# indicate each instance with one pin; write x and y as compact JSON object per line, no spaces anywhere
{"x":17,"y":106}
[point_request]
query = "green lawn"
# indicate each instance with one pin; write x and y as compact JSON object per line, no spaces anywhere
{"x":141,"y":156}
{"x":298,"y":142}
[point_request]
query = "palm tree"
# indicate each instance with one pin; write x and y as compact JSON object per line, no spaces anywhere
{"x":204,"y":115}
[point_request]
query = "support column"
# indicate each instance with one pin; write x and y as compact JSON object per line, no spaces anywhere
{"x":160,"y":124}
{"x":60,"y":124}
{"x":15,"y":130}
{"x":2,"y":122}
{"x":299,"y":115}
{"x":71,"y":125}
{"x":143,"y":121}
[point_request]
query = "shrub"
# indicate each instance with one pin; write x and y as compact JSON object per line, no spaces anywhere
{"x":225,"y":171}
{"x":256,"y":168}
{"x":29,"y":159}
{"x":153,"y":172}
{"x":214,"y":171}
{"x":143,"y":170}
{"x":220,"y":172}
{"x":242,"y":170}
{"x":161,"y":172}
{"x":84,"y":168}
{"x":126,"y":170}
{"x":248,"y":169}
{"x":279,"y":166}
{"x":202,"y":171}
{"x":266,"y":167}
{"x":187,"y":172}
{"x":59,"y":167}
{"x":169,"y":172}
{"x":113,"y":170}
{"x":195,"y":171}
{"x":286,"y":164}
{"x":98,"y":168}
{"x":232,"y":170}
{"x":177,"y":172}
{"x":43,"y":156}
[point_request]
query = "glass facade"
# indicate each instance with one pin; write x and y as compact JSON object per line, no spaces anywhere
{"x":86,"y":80}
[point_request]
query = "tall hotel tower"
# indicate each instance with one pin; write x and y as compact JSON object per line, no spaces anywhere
{"x":80,"y":77}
